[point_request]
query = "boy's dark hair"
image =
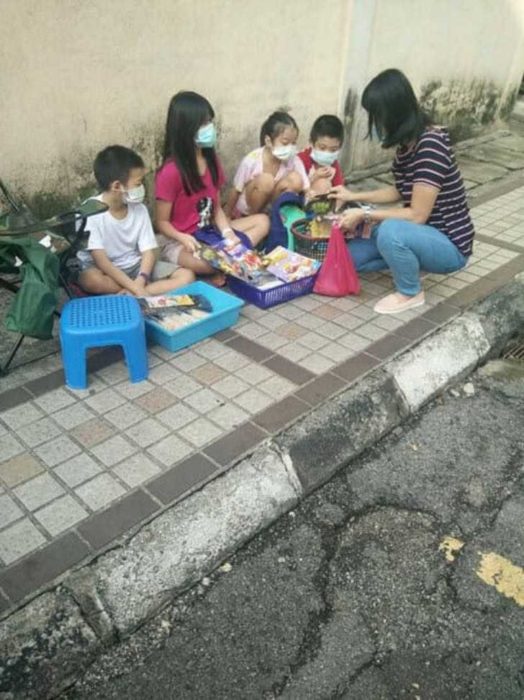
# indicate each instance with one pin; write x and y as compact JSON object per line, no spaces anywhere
{"x":115,"y":163}
{"x":327,"y":125}
{"x":393,"y":109}
{"x":275,"y":125}
{"x":187,"y":112}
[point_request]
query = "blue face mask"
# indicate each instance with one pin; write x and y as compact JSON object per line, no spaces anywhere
{"x":377,"y":135}
{"x":324,"y":158}
{"x":206,"y":136}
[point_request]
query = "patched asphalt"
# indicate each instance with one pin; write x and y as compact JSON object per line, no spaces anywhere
{"x":351,"y":596}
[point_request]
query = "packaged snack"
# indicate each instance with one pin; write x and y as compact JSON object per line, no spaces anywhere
{"x":289,"y":266}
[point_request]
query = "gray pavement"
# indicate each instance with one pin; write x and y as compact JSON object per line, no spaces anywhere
{"x":360,"y":593}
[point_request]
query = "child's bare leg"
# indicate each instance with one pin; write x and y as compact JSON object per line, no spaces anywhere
{"x":199,"y":267}
{"x":93,"y":281}
{"x":259,"y":191}
{"x":291,"y":183}
{"x":179,"y":278}
{"x":256,"y":227}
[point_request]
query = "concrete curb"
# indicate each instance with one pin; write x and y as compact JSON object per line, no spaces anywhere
{"x":50,"y":641}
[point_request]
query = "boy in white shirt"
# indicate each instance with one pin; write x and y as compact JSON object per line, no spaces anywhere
{"x":121,"y":248}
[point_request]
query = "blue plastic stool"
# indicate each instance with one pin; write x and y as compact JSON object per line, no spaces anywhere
{"x":97,"y":322}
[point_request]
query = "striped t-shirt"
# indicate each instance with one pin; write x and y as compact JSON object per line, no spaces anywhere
{"x":432,"y":162}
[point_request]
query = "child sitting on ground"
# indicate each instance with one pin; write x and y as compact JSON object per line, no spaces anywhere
{"x":270,"y":170}
{"x":187,"y":187}
{"x":120,"y":255}
{"x":321,"y":158}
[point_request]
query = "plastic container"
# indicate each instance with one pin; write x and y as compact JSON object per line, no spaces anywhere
{"x":226,"y":309}
{"x":264,"y":298}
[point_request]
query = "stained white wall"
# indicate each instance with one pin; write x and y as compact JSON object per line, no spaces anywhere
{"x":77,"y":75}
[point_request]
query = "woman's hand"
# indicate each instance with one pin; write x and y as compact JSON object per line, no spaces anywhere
{"x":189,"y":242}
{"x":350,"y":219}
{"x":343,"y":194}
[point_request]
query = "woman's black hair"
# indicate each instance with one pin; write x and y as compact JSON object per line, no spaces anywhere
{"x":187,"y":112}
{"x":275,"y":125}
{"x":393,"y":109}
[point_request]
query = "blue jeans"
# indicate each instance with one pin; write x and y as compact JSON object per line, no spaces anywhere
{"x":406,"y":249}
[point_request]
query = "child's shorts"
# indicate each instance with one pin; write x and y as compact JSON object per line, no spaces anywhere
{"x":162,"y":269}
{"x":169,"y":249}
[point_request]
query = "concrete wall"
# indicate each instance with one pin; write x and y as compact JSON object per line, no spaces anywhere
{"x":77,"y":75}
{"x":465,"y":59}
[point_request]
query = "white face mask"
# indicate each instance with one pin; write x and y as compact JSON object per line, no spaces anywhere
{"x":323,"y":158}
{"x":135,"y":195}
{"x":284,"y":152}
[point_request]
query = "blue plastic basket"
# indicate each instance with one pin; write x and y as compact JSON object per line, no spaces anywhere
{"x":264,"y":298}
{"x":226,"y":309}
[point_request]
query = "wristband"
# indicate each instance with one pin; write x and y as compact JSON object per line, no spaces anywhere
{"x":367,"y":213}
{"x":227,"y":230}
{"x":144,"y":275}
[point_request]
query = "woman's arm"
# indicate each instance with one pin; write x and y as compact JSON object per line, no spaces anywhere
{"x":164,"y":226}
{"x":385,"y":195}
{"x":422,"y":202}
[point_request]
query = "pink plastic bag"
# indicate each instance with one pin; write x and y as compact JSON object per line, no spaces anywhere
{"x":337,"y":276}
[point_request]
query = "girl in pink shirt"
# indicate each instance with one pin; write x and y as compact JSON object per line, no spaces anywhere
{"x":270,"y":170}
{"x":187,"y":186}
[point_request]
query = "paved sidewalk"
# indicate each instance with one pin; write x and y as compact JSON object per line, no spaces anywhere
{"x":81,"y":469}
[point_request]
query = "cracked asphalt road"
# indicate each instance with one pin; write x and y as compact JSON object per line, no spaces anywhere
{"x":350,"y":596}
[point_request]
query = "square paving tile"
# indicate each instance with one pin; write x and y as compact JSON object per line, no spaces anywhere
{"x":9,"y":511}
{"x":276,"y":387}
{"x":21,"y":415}
{"x":210,"y":349}
{"x":18,"y":469}
{"x":176,"y":416}
{"x":92,"y":432}
{"x":38,"y":491}
{"x":100,"y":491}
{"x":204,"y":400}
{"x":228,"y":416}
{"x":253,"y":400}
{"x":231,"y":386}
{"x":170,"y":450}
{"x":156,"y":400}
{"x":147,"y":432}
{"x":163,"y":373}
{"x":136,"y":469}
{"x":200,"y":432}
{"x":60,"y":515}
{"x":280,"y":414}
{"x":126,"y":415}
{"x":57,"y":450}
{"x":208,"y":373}
{"x":187,"y":361}
{"x":78,"y":469}
{"x":133,"y":390}
{"x":114,"y":450}
{"x":72,"y":416}
{"x":38,"y":432}
{"x":183,"y":386}
{"x":54,"y":400}
{"x":105,"y":401}
{"x":18,"y":540}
